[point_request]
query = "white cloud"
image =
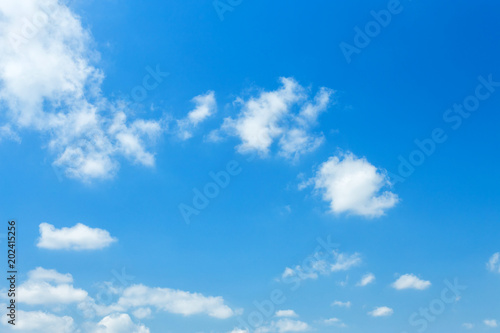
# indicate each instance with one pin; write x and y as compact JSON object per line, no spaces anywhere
{"x":493,"y":263}
{"x":410,"y":281}
{"x":382,"y":311}
{"x":324,"y":266}
{"x":49,"y":84}
{"x":119,"y":323}
{"x":342,"y":304}
{"x":170,"y":300}
{"x":283,"y":326}
{"x":205,"y":106}
{"x":334,"y":322}
{"x":142,"y":313}
{"x":41,"y":322}
{"x":468,"y":326}
{"x":352,"y":185}
{"x":491,"y":323}
{"x":284,"y":116}
{"x":78,"y":237}
{"x":366,"y":280}
{"x":45,"y":287}
{"x":286,"y":313}
{"x":239,"y":330}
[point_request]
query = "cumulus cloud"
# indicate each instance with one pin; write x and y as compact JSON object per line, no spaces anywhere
{"x":468,"y":326}
{"x":42,"y":322}
{"x":382,"y":311}
{"x":205,"y":106}
{"x":410,"y":281}
{"x":78,"y":237}
{"x":119,"y":323}
{"x":366,"y":280}
{"x":493,"y":264}
{"x":491,"y":323}
{"x":45,"y":287}
{"x":49,"y":84}
{"x":324,"y":266}
{"x":165,"y":299}
{"x":353,"y":185}
{"x":286,"y":313}
{"x":283,"y":117}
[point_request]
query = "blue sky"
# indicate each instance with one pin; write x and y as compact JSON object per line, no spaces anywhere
{"x":357,"y":192}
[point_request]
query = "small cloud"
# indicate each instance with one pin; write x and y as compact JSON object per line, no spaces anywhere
{"x":410,"y":281}
{"x":468,"y":326}
{"x":286,"y":313}
{"x":493,"y":263}
{"x":382,"y":311}
{"x":353,"y":185}
{"x":342,"y":304}
{"x":491,"y":323}
{"x":205,"y":106}
{"x":366,"y":280}
{"x":334,"y":322}
{"x":79,"y":237}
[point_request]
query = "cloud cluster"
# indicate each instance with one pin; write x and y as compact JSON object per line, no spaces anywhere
{"x":48,"y":83}
{"x":283,"y":117}
{"x":51,"y":289}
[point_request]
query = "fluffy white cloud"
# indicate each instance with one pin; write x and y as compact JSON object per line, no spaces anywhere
{"x":78,"y":237}
{"x":239,"y":330}
{"x":324,"y":266}
{"x":45,"y":287}
{"x":410,"y":281}
{"x":494,"y":263}
{"x":468,"y":326}
{"x":205,"y":106}
{"x":49,"y":84}
{"x":491,"y":323}
{"x":119,"y":323}
{"x":169,"y":300}
{"x":352,"y":185}
{"x":342,"y":304}
{"x":41,"y":322}
{"x":382,"y":311}
{"x":366,"y":280}
{"x":286,"y":313}
{"x":284,"y":116}
{"x":283,"y":326}
{"x":334,"y":322}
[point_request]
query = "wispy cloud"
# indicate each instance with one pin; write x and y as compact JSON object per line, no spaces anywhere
{"x":205,"y":106}
{"x":382,"y":311}
{"x":366,"y":280}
